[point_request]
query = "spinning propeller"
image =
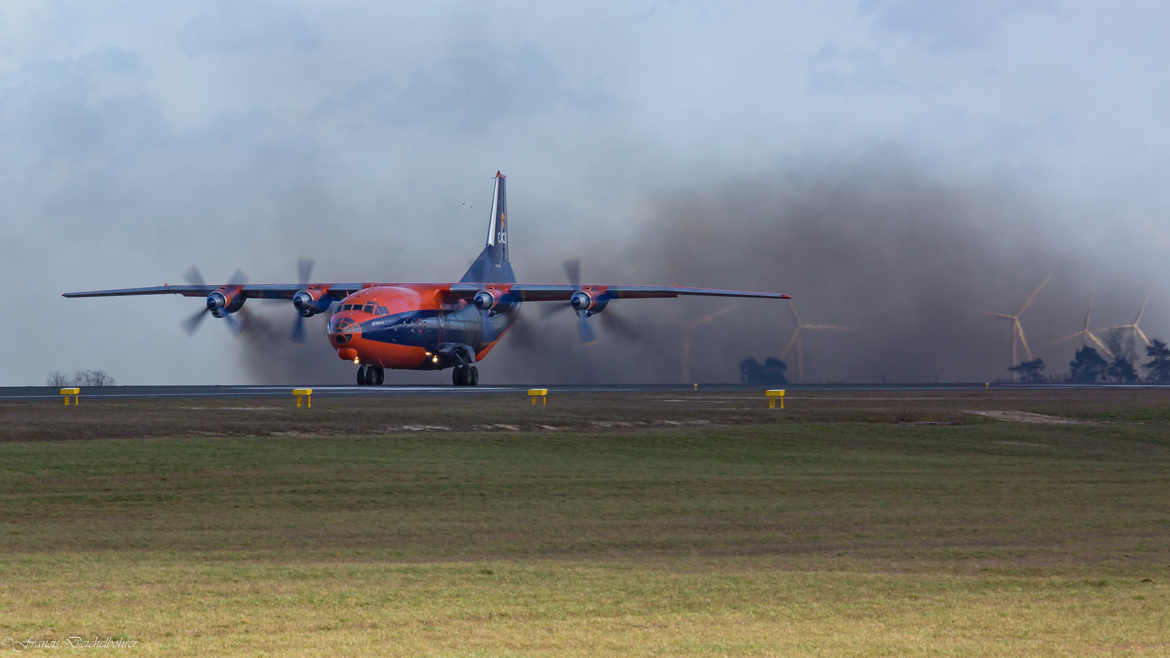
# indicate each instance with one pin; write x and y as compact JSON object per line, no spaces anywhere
{"x":217,"y":302}
{"x":304,"y":271}
{"x":585,"y":307}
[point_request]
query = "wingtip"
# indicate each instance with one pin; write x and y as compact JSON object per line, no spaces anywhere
{"x":783,"y":296}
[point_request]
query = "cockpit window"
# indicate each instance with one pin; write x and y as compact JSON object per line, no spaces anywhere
{"x":369,"y":308}
{"x":382,"y":311}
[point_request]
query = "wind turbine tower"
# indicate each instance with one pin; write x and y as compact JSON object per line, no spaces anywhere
{"x":1087,"y":336}
{"x":1135,"y":326}
{"x":690,"y":335}
{"x":797,"y":339}
{"x":1017,"y":329}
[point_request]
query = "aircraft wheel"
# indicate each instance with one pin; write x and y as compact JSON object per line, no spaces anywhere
{"x":377,"y":375}
{"x":459,"y":376}
{"x":473,"y":376}
{"x":361,"y":376}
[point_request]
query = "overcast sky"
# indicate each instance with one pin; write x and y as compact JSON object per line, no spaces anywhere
{"x":139,"y":138}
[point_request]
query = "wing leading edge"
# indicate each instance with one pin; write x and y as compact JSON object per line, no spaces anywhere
{"x":522,"y":292}
{"x":251,"y":291}
{"x":542,"y":292}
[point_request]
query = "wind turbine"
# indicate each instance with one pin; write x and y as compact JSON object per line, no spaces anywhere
{"x":1135,"y":326}
{"x":689,"y":336}
{"x":1087,"y":336}
{"x":1017,"y":329}
{"x":797,"y":339}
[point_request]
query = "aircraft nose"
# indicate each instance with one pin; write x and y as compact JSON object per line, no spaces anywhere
{"x":343,"y":329}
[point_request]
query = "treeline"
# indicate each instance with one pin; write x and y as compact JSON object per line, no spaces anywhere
{"x":1089,"y":367}
{"x":80,"y":378}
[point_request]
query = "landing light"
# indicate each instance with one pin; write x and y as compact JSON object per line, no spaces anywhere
{"x":435,"y":359}
{"x":356,"y":360}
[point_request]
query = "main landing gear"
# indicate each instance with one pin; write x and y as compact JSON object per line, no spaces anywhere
{"x":465,"y":375}
{"x":370,"y":375}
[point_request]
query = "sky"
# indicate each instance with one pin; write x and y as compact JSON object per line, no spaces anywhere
{"x":974,"y":147}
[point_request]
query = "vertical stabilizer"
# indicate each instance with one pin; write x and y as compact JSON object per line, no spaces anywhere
{"x":492,"y":265}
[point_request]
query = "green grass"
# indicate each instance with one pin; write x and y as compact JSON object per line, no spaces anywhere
{"x":776,"y":538}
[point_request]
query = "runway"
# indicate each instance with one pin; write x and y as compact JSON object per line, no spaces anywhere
{"x":16,"y":393}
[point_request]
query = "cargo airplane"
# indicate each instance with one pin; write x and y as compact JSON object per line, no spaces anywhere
{"x":422,"y":326}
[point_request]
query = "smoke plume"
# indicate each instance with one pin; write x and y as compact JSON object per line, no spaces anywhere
{"x":909,"y":260}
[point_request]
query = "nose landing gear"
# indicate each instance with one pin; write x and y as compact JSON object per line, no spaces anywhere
{"x":370,"y":375}
{"x":465,"y":375}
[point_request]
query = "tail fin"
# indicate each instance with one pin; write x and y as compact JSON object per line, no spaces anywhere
{"x":492,"y":265}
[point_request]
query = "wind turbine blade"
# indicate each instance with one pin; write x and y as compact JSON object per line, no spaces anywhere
{"x":1100,"y":345}
{"x":1004,"y":316}
{"x":1141,"y":334}
{"x":1142,"y":310}
{"x":1069,"y":337}
{"x":788,"y":346}
{"x":1035,"y":292}
{"x":824,"y":327}
{"x":1023,"y":339}
{"x":795,"y":316}
{"x":709,"y":317}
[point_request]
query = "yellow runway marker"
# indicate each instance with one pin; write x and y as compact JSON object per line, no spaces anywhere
{"x":307,"y":394}
{"x":538,"y":393}
{"x":74,"y":392}
{"x":773,"y":394}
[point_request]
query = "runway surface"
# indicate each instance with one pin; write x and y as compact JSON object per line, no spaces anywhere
{"x":49,"y":392}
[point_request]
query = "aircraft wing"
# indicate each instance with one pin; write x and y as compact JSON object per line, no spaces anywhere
{"x":251,"y":291}
{"x":523,"y":292}
{"x":543,"y":292}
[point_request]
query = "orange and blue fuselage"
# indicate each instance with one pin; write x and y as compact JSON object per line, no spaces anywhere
{"x":412,"y":327}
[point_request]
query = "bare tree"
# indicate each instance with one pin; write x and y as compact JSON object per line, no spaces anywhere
{"x":93,"y":378}
{"x":58,"y":379}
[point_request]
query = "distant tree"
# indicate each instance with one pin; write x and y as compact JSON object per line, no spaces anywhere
{"x":770,"y":373}
{"x":1122,"y":371}
{"x":58,"y":379}
{"x":92,"y":378}
{"x":748,"y":369}
{"x":1120,"y":344}
{"x":1029,"y":372}
{"x":1159,"y":363}
{"x":1087,"y":367}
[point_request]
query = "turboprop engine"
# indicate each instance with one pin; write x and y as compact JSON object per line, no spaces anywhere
{"x":225,"y":301}
{"x":311,"y":301}
{"x":487,"y":300}
{"x":583,"y":301}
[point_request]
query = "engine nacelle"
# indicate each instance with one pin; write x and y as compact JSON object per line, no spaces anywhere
{"x":486,"y":301}
{"x":225,"y":301}
{"x":310,"y":302}
{"x":583,"y":301}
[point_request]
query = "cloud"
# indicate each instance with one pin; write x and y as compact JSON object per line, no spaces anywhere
{"x":142,"y":138}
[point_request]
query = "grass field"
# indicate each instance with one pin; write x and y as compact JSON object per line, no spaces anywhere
{"x":850,"y":523}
